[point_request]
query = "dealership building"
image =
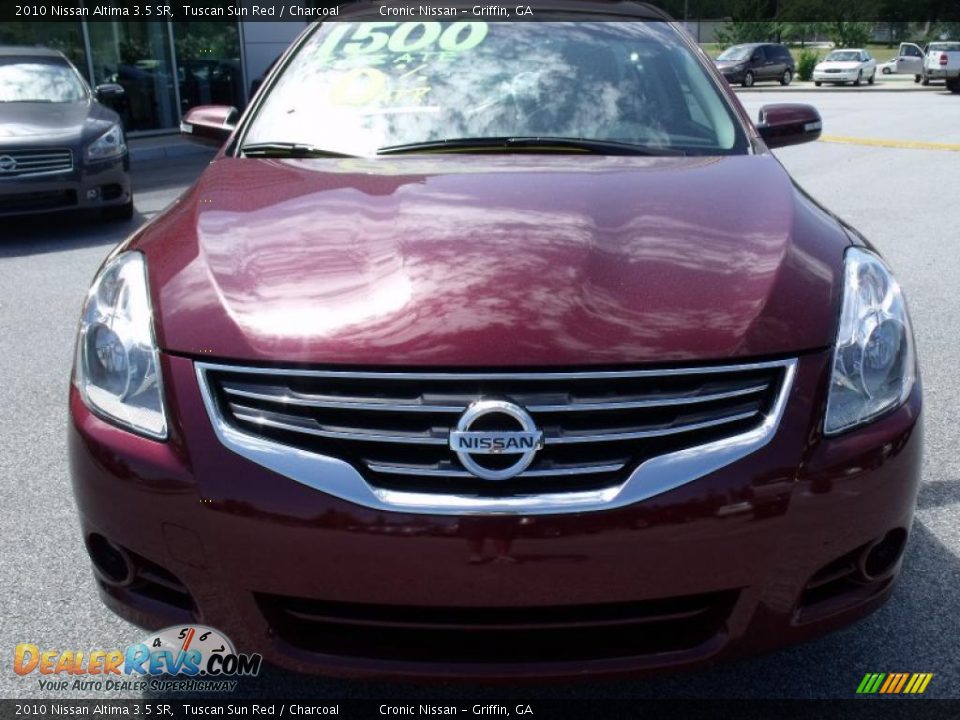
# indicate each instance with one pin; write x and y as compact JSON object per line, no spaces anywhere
{"x":165,"y":67}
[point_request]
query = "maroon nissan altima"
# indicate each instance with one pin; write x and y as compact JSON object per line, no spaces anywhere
{"x":496,"y":350}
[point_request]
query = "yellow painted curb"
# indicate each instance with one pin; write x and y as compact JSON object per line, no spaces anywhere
{"x":903,"y":144}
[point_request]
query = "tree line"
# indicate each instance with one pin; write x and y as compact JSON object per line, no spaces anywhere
{"x":847,"y":23}
{"x":816,"y":11}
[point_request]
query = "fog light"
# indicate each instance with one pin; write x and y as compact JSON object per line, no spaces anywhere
{"x":111,"y":562}
{"x":110,"y":192}
{"x":880,"y":557}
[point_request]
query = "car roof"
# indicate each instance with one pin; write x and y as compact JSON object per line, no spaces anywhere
{"x":27,"y":51}
{"x":848,"y":50}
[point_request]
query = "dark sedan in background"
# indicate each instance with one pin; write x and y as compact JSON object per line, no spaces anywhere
{"x":60,"y":148}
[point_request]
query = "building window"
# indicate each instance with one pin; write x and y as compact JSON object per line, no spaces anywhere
{"x":67,"y":37}
{"x":137,"y":55}
{"x":209,"y":71}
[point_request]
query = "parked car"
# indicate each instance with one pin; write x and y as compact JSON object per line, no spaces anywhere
{"x":60,"y":148}
{"x":943,"y":63}
{"x":518,"y":283}
{"x":852,"y":65}
{"x":756,"y":62}
{"x":889,"y":67}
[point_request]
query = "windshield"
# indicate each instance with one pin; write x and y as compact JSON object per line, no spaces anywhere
{"x":39,"y":80}
{"x":356,"y":88}
{"x":843,"y":56}
{"x":735,"y":53}
{"x":944,"y":47}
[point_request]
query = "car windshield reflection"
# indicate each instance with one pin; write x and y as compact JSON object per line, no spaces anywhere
{"x":354,"y":88}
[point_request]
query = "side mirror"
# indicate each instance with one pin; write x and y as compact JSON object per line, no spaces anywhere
{"x":209,"y":124}
{"x":108,"y":92}
{"x":789,"y":124}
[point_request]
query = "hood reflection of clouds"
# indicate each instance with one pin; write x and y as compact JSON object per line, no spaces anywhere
{"x":609,"y":263}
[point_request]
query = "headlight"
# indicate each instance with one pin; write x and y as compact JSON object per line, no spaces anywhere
{"x":117,"y":369}
{"x":874,"y":362}
{"x":109,"y":145}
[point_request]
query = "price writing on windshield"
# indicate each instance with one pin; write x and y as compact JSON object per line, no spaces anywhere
{"x":348,"y":40}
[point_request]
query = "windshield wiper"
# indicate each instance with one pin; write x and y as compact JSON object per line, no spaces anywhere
{"x":595,"y":147}
{"x":288,"y":150}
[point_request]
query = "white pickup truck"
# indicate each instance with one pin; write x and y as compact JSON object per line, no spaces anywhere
{"x":942,"y":62}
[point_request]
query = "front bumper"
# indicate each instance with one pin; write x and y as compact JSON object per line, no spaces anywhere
{"x":743,"y":560}
{"x":87,"y":187}
{"x":837,"y":77}
{"x":734,"y":77}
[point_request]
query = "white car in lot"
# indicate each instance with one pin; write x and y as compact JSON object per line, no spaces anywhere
{"x":889,"y":67}
{"x":852,"y":65}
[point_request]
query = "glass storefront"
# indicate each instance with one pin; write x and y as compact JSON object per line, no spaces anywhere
{"x":67,"y":37}
{"x":137,"y":56}
{"x":209,"y":71}
{"x":165,"y":68}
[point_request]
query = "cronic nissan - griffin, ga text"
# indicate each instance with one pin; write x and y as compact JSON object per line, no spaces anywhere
{"x":465,"y":357}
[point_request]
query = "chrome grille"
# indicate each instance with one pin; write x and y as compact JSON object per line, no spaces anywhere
{"x":394,"y":427}
{"x":30,"y":162}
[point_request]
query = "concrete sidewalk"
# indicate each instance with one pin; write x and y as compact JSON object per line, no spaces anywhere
{"x":883,"y":83}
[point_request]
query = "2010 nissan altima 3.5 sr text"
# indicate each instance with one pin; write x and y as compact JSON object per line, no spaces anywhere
{"x":465,"y":358}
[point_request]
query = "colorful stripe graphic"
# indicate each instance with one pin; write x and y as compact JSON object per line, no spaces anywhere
{"x":894,"y":683}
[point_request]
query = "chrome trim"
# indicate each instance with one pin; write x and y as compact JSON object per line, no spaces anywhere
{"x":26,"y":159}
{"x":640,"y":434}
{"x":6,"y":176}
{"x":651,"y":403}
{"x":551,"y":472}
{"x":543,"y":375}
{"x":340,"y":434}
{"x":321,"y":431}
{"x":308,"y":401}
{"x":652,"y":477}
{"x":301,"y":401}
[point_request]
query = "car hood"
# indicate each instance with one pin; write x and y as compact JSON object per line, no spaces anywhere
{"x":508,"y":260}
{"x":839,"y":65}
{"x":48,"y":120}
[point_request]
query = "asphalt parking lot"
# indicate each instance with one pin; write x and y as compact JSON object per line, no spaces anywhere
{"x":901,"y":195}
